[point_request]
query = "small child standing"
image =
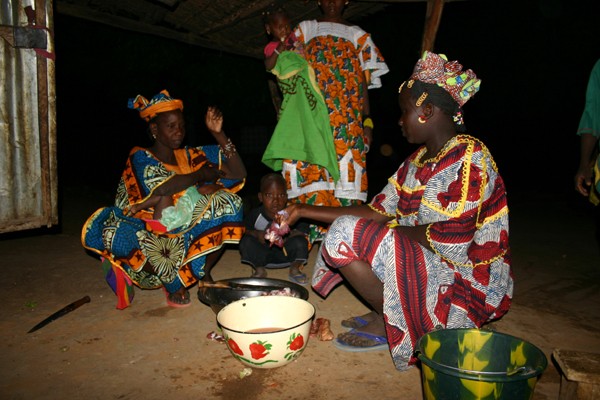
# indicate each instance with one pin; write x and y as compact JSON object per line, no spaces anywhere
{"x":303,"y":132}
{"x":257,"y":251}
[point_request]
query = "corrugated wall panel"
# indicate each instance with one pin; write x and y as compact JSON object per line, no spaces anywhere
{"x":28,"y":179}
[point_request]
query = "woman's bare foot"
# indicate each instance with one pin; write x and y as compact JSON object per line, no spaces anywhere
{"x":259,"y":272}
{"x":374,"y":327}
{"x":366,"y":338}
{"x":360,"y":321}
{"x":178,"y":299}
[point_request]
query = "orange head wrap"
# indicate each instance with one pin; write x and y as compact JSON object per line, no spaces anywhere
{"x":160,"y":103}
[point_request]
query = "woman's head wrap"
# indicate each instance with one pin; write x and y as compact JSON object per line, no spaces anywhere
{"x":449,"y":75}
{"x":160,"y":103}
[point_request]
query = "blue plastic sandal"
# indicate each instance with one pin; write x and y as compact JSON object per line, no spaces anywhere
{"x":381,"y":342}
{"x":300,"y":279}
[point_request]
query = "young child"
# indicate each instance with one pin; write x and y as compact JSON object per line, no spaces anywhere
{"x":258,"y":251}
{"x":279,"y":29}
{"x":303,"y":132}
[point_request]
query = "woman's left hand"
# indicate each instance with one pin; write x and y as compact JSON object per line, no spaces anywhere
{"x":211,"y":173}
{"x":214,"y":120}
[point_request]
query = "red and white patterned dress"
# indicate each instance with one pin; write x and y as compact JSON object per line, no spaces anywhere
{"x":467,"y":279}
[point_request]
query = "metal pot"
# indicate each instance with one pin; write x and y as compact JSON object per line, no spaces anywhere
{"x":217,"y":297}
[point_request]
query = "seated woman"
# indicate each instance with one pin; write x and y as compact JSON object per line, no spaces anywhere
{"x":431,"y":249}
{"x":133,"y":237}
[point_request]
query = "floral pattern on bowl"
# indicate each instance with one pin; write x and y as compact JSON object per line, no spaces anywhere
{"x":240,"y":321}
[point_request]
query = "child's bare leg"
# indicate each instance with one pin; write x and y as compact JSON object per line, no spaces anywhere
{"x":162,"y":203}
{"x":296,"y":273}
{"x":259,"y":272}
{"x":149,"y":202}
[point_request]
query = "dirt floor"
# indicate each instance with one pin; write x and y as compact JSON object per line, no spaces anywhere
{"x":151,"y":351}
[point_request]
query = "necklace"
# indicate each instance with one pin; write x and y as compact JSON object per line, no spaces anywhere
{"x":442,"y":152}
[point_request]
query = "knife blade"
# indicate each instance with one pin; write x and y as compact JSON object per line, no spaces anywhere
{"x":65,"y":310}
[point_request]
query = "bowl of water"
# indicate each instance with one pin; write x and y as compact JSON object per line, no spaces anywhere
{"x":266,"y":331}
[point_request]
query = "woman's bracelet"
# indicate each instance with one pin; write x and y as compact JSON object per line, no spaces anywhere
{"x":229,"y":149}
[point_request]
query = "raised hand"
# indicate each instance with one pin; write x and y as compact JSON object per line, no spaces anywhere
{"x":214,"y":120}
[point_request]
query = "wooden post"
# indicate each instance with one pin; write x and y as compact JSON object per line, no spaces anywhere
{"x":432,"y":22}
{"x":43,"y":121}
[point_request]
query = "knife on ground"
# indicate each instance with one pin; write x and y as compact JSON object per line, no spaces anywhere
{"x":65,"y":310}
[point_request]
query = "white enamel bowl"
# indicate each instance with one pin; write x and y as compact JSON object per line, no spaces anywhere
{"x":266,"y":331}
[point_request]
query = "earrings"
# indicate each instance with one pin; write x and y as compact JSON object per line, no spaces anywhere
{"x":422,"y":119}
{"x":458,"y":118}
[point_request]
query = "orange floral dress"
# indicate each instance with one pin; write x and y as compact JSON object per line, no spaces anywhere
{"x":342,"y":57}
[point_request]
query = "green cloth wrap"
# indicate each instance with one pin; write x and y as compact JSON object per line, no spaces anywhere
{"x":303,"y":132}
{"x":181,"y":213}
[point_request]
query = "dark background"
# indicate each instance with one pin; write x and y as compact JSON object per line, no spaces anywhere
{"x":533,"y":56}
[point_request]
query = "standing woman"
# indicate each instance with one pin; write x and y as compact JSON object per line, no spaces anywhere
{"x":128,"y":234}
{"x":346,"y":63}
{"x":431,"y":249}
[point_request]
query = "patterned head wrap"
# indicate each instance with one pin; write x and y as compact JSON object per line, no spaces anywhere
{"x":160,"y":103}
{"x":449,"y":75}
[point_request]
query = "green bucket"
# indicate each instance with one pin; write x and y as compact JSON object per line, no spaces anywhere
{"x":469,"y":364}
